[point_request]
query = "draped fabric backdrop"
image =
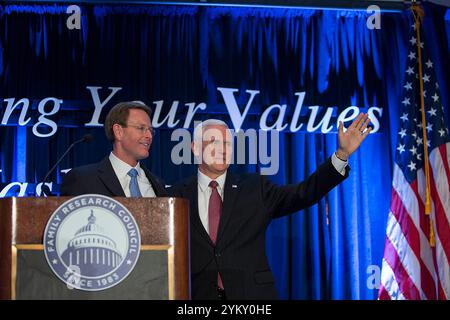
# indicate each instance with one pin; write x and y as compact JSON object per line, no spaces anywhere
{"x":184,"y":53}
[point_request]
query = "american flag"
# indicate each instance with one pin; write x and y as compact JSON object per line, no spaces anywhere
{"x":412,"y":269}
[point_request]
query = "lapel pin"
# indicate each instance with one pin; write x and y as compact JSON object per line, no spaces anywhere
{"x":234,"y":186}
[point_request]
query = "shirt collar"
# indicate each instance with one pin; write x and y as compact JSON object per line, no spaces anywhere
{"x":204,"y":180}
{"x":121,"y":167}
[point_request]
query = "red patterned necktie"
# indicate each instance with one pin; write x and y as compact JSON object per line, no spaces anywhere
{"x":214,"y":212}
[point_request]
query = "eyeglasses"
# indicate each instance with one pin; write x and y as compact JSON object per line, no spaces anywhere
{"x":142,"y":129}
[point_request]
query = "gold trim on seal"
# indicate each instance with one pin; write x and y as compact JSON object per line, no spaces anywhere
{"x":13,"y":272}
{"x":148,"y":247}
{"x":171,"y":272}
{"x":29,"y":246}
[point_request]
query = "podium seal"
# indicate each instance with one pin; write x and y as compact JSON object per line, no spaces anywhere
{"x":92,"y":242}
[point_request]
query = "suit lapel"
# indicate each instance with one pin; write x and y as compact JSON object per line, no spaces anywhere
{"x":229,"y":199}
{"x":192,"y":193}
{"x":108,"y":177}
{"x":159,"y":190}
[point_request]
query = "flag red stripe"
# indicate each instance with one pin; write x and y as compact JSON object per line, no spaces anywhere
{"x":412,"y":236}
{"x":444,"y":157}
{"x":405,"y":222}
{"x":383,"y":294}
{"x":442,"y":226}
{"x":406,"y":285}
{"x":441,"y":294}
{"x":423,"y":218}
{"x":443,"y":153}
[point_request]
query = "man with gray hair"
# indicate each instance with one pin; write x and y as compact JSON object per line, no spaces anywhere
{"x":129,"y":129}
{"x":230,"y":213}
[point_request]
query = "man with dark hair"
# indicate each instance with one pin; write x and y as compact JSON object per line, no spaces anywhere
{"x":128,"y":127}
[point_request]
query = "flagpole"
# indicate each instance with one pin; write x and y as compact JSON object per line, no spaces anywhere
{"x":418,"y":15}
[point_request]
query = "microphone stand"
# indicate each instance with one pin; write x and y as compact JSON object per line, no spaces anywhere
{"x":45,"y":189}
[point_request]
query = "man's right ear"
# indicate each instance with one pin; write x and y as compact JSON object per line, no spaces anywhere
{"x":195,"y":147}
{"x":118,"y":131}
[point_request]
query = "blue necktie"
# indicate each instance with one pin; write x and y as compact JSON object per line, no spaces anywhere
{"x":134,"y":187}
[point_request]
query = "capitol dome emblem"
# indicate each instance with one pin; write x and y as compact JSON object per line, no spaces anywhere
{"x":92,"y":242}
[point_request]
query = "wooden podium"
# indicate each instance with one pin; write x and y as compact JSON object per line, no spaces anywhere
{"x":162,"y":271}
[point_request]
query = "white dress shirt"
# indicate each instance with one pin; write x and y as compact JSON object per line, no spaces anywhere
{"x":121,"y":169}
{"x":204,"y":192}
{"x":338,"y":164}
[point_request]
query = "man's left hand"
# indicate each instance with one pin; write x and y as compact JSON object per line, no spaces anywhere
{"x":351,"y":139}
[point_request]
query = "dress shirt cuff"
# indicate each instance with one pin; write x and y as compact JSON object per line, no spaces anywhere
{"x":338,"y":164}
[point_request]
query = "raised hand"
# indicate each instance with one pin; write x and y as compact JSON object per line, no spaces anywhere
{"x":350,"y":140}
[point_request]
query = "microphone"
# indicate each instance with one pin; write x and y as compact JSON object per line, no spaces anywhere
{"x":45,"y":189}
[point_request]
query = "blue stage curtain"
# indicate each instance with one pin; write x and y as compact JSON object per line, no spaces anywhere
{"x":183,"y":53}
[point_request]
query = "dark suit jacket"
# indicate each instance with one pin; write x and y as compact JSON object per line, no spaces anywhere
{"x":250,"y":202}
{"x":100,"y":178}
